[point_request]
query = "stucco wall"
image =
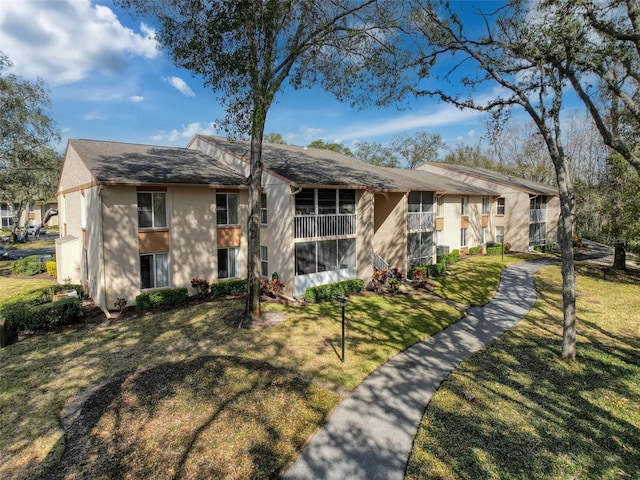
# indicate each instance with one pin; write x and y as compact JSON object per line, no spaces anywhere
{"x":365,"y":237}
{"x":390,"y":228}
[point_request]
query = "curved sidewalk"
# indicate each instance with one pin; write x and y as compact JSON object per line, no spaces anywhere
{"x":370,"y":435}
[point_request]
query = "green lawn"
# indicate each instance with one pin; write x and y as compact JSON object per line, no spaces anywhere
{"x":535,"y":415}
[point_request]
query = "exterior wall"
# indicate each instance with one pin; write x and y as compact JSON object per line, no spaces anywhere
{"x":365,"y":236}
{"x":390,"y":228}
{"x":515,"y":220}
{"x":452,"y":220}
{"x":277,"y":236}
{"x":553,"y":216}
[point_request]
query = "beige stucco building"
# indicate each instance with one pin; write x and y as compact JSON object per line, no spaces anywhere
{"x":135,"y":218}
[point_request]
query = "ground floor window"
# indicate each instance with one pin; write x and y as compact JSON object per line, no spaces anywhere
{"x":537,"y":233}
{"x":228,"y":262}
{"x":154,"y":270}
{"x":325,"y":255}
{"x":419,"y":249}
{"x":485,"y":235}
{"x":463,"y":237}
{"x":500,"y":235}
{"x":264,"y":262}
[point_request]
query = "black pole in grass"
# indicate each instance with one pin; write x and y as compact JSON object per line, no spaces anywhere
{"x":343,"y":304}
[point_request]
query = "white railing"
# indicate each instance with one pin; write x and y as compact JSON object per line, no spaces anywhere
{"x":537,"y":215}
{"x":420,"y":221}
{"x":379,"y":263}
{"x":313,"y":226}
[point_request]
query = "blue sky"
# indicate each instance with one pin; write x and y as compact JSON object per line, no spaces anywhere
{"x":108,"y":81}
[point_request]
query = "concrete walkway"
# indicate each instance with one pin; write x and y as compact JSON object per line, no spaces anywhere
{"x":370,"y":435}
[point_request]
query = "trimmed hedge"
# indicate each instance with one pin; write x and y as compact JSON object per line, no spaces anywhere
{"x":162,"y":298}
{"x":52,"y":268}
{"x":474,"y":250}
{"x":333,"y":290}
{"x":24,"y":317}
{"x":451,"y":257}
{"x":433,"y":270}
{"x":497,"y":250}
{"x":27,"y":266}
{"x":230,"y":287}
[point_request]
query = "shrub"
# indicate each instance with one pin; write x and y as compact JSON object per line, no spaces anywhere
{"x":201,"y":286}
{"x":162,"y":298}
{"x":422,"y":274}
{"x":230,"y":287}
{"x":27,"y":317}
{"x":474,"y":250}
{"x":120,"y":304}
{"x":390,"y":279}
{"x":272,"y":288}
{"x":52,"y":269}
{"x":333,"y":290}
{"x":448,"y":258}
{"x":27,"y":266}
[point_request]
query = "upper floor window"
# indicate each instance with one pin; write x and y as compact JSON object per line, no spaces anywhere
{"x":485,"y":205}
{"x":325,"y":201}
{"x":440,"y":206}
{"x":226,"y":208}
{"x":500,"y":206}
{"x":420,"y":202}
{"x":464,"y":206}
{"x":263,"y":208}
{"x":152,"y":210}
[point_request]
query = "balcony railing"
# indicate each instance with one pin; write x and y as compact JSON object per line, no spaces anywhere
{"x":379,"y":263}
{"x":314,"y":226}
{"x":420,"y":221}
{"x":537,"y":215}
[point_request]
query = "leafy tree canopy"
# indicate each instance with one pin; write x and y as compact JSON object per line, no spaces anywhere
{"x":334,"y":147}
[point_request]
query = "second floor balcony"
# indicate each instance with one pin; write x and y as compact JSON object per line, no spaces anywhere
{"x":420,"y":221}
{"x":315,"y":226}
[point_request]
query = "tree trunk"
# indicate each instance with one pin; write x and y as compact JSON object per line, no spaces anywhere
{"x":253,"y":309}
{"x":619,"y":257}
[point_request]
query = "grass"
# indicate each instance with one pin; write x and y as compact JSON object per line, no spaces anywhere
{"x":535,"y":415}
{"x":193,"y":397}
{"x":10,"y":285}
{"x":45,"y":243}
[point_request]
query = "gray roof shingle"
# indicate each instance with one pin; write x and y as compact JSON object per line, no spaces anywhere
{"x":129,"y":163}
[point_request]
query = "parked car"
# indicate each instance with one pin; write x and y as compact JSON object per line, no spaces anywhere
{"x":31,"y":230}
{"x":4,"y":255}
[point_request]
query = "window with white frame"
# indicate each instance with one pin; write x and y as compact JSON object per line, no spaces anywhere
{"x":83,"y":211}
{"x":500,"y":235}
{"x":263,"y":208}
{"x":228,"y":262}
{"x":439,"y":237}
{"x":419,"y":249}
{"x":463,"y":237}
{"x":440,"y":206}
{"x":6,"y":213}
{"x":325,"y":201}
{"x":325,"y":256}
{"x":485,"y":234}
{"x":152,"y":210}
{"x":264,"y":261}
{"x":154,"y":270}
{"x":464,"y":206}
{"x":485,"y":205}
{"x":500,"y":206}
{"x":226,"y":208}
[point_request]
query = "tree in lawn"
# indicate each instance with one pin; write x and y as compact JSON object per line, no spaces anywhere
{"x":510,"y":53}
{"x":246,"y":50}
{"x":29,"y":166}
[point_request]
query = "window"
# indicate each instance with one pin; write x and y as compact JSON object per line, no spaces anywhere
{"x":485,"y":205}
{"x":485,"y":234}
{"x":419,"y":249}
{"x":154,"y":270}
{"x":152,"y":210}
{"x":464,"y":206}
{"x":264,"y":261}
{"x":347,"y":201}
{"x":537,"y":233}
{"x":6,"y":212}
{"x":227,"y":208}
{"x":500,"y":206}
{"x":228,"y":262}
{"x":325,"y":256}
{"x":500,"y":235}
{"x":440,"y":206}
{"x":439,"y":239}
{"x":325,"y":201}
{"x":306,"y":202}
{"x":420,"y":202}
{"x":263,"y":208}
{"x":463,"y":237}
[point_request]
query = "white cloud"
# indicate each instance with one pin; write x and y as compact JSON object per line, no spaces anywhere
{"x":64,"y":41}
{"x":185,"y":133}
{"x":94,"y":116}
{"x":181,"y":86}
{"x":136,"y":98}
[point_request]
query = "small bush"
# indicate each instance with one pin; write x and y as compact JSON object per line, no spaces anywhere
{"x":433,"y":270}
{"x":162,"y":298}
{"x":201,"y":286}
{"x":448,"y":258}
{"x":120,"y":304}
{"x":272,"y":288}
{"x":27,"y":266}
{"x":474,"y":250}
{"x":333,"y":290}
{"x":230,"y":287}
{"x":26,"y":317}
{"x":497,"y":250}
{"x":386,"y":279}
{"x":52,"y":269}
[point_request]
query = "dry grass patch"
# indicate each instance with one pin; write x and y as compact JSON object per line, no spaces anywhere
{"x":535,"y":415}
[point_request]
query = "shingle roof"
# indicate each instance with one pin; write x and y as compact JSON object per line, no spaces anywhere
{"x":309,"y":167}
{"x":527,"y":186}
{"x":129,"y":163}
